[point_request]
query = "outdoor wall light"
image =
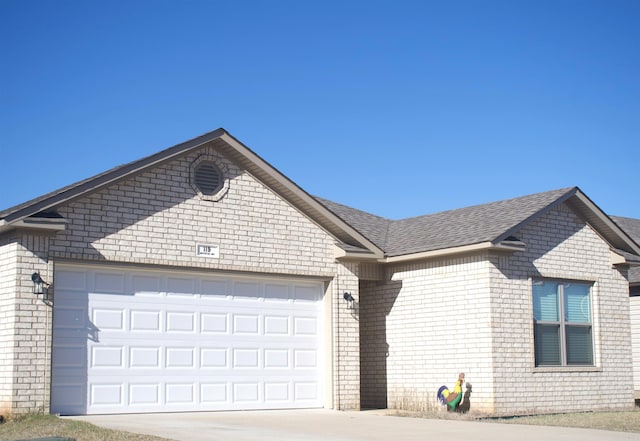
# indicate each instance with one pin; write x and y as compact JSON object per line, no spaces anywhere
{"x":349,"y":299}
{"x":40,"y":287}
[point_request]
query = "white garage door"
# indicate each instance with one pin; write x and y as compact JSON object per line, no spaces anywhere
{"x":127,"y":341}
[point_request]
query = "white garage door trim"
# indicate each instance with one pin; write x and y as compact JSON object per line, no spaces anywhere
{"x":136,"y":340}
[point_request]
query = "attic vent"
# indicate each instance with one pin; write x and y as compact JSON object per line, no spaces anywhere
{"x":208,"y":178}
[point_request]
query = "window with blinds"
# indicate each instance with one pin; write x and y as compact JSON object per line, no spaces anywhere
{"x":562,"y":323}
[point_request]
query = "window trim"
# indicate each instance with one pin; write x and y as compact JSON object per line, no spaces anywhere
{"x":562,"y":323}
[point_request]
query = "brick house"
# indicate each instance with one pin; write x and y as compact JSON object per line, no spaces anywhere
{"x":201,"y":278}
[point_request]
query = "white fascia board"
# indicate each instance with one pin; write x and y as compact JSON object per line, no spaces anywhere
{"x":617,"y":259}
{"x":620,"y":259}
{"x":342,"y":254}
{"x":595,"y":209}
{"x":482,"y":246}
{"x":440,"y":253}
{"x":40,"y":224}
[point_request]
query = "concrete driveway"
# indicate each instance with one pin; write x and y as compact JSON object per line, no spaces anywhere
{"x":329,"y":425}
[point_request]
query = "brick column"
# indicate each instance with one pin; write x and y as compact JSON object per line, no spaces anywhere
{"x":32,"y":325}
{"x":346,"y":339}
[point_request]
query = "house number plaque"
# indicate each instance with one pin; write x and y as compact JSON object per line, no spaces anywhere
{"x":208,"y":250}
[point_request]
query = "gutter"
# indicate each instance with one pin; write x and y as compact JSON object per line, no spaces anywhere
{"x":507,"y":246}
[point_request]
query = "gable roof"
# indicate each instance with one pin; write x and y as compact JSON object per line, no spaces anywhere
{"x":491,"y":224}
{"x":43,"y":208}
{"x":358,"y":233}
{"x":376,"y":228}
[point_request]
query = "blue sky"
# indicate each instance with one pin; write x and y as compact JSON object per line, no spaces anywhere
{"x":399,"y":108}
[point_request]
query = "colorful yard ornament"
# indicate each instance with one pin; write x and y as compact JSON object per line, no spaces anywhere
{"x":451,"y":398}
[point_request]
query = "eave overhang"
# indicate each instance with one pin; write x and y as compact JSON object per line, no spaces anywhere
{"x":500,"y":247}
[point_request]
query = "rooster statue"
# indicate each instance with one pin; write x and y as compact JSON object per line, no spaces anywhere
{"x":451,"y":398}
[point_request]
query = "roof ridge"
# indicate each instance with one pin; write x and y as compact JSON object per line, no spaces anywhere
{"x":321,"y":199}
{"x":469,"y":207}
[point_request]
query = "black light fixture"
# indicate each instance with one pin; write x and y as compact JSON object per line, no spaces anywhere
{"x":349,"y":299}
{"x":40,"y":287}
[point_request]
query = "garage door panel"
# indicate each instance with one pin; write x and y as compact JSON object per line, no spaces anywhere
{"x":143,"y":321}
{"x":106,"y":395}
{"x":70,"y":279}
{"x":145,"y":357}
{"x":277,"y":358}
{"x":178,"y":321}
{"x":109,"y":319}
{"x":214,"y":289}
{"x":214,"y":323}
{"x":146,"y":285}
{"x":214,"y":358}
{"x":145,"y":394}
{"x":144,"y":343}
{"x":246,"y":392}
{"x":180,"y":358}
{"x":276,"y":325}
{"x":244,"y":324}
{"x":107,"y":357}
{"x":277,"y":293}
{"x":277,"y":392}
{"x":305,"y":326}
{"x":180,"y":393}
{"x":180,"y":286}
{"x":247,"y":291}
{"x":114,"y":283}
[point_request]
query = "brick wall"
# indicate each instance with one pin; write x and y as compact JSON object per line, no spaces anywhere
{"x":8,"y":281}
{"x":560,"y":245}
{"x":473,"y":314}
{"x":635,"y":335}
{"x":346,"y":339}
{"x":156,"y":218}
{"x":26,"y":335}
{"x":423,"y":327}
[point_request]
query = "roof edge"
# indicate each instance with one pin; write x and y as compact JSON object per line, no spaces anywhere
{"x":609,"y":223}
{"x":511,"y":231}
{"x":294,"y":188}
{"x":93,"y":183}
{"x":444,"y":252}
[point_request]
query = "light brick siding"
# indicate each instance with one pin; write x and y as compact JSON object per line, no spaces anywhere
{"x":26,"y":333}
{"x":346,"y":340}
{"x":474,"y":315}
{"x":560,"y":245}
{"x":376,"y":301}
{"x":635,"y":333}
{"x":156,"y":218}
{"x":435,"y":316}
{"x":8,"y":281}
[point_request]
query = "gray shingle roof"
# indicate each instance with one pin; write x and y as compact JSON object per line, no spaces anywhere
{"x":632,"y":228}
{"x":454,"y":228}
{"x":467,"y":226}
{"x":375,"y":228}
